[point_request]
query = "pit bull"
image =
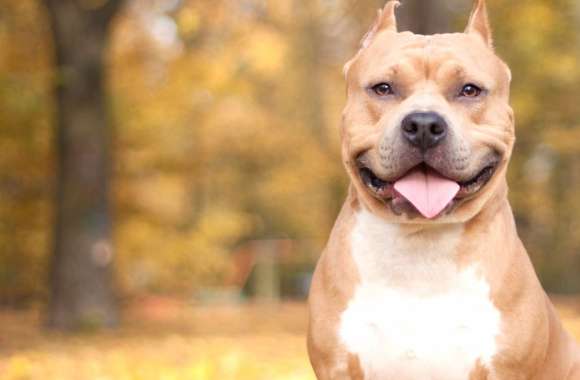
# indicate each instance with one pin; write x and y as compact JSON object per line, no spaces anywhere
{"x":424,"y":276}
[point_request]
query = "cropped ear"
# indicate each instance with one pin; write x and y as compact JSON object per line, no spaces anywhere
{"x":479,"y":23}
{"x":386,"y":21}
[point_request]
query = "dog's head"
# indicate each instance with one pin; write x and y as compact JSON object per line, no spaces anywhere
{"x":427,"y":129}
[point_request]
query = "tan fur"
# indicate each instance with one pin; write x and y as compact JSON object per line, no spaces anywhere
{"x":354,"y":368}
{"x":478,"y":372}
{"x":336,"y":277}
{"x":533,"y":345}
{"x":479,"y":23}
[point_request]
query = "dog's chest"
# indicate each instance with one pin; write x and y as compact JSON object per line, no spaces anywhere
{"x":415,"y":315}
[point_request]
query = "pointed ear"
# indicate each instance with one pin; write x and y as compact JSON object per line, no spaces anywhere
{"x":479,"y":23}
{"x":386,"y":21}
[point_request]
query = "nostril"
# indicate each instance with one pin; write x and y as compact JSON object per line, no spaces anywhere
{"x":411,"y":128}
{"x":436,"y":129}
{"x":414,"y":127}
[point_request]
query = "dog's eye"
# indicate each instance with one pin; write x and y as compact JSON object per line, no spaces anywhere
{"x":383,"y":89}
{"x":470,"y":91}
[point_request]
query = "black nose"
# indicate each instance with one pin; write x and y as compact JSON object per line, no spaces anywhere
{"x":424,"y":129}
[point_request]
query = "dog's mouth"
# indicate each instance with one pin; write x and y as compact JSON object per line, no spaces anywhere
{"x":424,"y":190}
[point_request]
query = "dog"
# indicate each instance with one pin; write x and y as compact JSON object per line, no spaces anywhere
{"x":424,"y":276}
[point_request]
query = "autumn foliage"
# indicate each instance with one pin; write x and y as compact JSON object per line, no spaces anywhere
{"x":227,"y":117}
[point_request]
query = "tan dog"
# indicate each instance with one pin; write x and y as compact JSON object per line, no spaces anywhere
{"x":424,"y":276}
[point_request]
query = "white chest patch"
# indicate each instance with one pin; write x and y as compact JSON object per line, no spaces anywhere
{"x":415,"y":315}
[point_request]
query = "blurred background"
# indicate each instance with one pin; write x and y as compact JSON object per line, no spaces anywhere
{"x":170,"y":171}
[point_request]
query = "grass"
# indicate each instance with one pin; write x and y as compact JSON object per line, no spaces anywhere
{"x":165,"y":339}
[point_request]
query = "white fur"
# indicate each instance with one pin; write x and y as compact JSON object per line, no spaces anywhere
{"x":415,"y":315}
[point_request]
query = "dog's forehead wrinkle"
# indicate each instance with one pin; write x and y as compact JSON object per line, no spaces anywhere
{"x":414,"y":66}
{"x":457,"y":44}
{"x":452,"y":66}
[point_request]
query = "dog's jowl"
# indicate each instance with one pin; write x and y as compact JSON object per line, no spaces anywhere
{"x":424,"y":276}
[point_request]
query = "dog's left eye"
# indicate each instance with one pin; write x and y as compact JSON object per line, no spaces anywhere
{"x":383,"y":89}
{"x":470,"y":91}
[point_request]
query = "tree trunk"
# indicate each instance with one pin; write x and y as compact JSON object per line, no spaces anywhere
{"x":81,"y":289}
{"x":308,"y":45}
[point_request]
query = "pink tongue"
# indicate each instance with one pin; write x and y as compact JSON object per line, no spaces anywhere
{"x":429,"y":192}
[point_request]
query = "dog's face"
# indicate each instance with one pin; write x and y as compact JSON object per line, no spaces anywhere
{"x":427,"y":128}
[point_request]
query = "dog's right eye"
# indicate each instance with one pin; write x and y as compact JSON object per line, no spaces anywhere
{"x":383,"y":89}
{"x":470,"y":91}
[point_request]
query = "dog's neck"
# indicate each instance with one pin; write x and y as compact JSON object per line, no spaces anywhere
{"x":429,"y":246}
{"x":497,"y":202}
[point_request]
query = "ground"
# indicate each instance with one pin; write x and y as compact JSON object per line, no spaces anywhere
{"x":165,"y":339}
